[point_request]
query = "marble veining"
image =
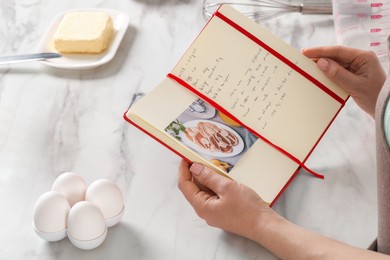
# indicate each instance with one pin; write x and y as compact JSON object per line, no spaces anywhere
{"x":54,"y":120}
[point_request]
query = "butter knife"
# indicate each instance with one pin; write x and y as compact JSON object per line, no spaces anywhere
{"x":28,"y":57}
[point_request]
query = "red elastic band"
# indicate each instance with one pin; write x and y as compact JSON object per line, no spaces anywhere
{"x":284,"y":60}
{"x":280,"y":57}
{"x":218,"y":107}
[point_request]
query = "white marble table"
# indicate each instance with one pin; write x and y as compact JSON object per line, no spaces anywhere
{"x":54,"y":120}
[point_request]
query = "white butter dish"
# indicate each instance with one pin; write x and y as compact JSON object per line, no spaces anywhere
{"x":84,"y":61}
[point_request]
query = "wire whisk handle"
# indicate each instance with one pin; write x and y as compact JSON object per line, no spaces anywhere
{"x":261,"y":10}
{"x":313,"y":8}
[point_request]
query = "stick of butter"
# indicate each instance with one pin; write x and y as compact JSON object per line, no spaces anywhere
{"x":83,"y":32}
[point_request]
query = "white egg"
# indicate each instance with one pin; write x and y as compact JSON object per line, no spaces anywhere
{"x":107,"y":196}
{"x":50,"y":216}
{"x":86,"y":226}
{"x":72,"y":186}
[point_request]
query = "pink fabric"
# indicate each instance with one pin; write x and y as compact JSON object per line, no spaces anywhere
{"x":383,"y":173}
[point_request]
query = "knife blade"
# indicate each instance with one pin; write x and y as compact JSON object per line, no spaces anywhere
{"x":28,"y":57}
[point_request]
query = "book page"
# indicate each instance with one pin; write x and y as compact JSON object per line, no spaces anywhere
{"x":251,"y":161}
{"x":259,"y":89}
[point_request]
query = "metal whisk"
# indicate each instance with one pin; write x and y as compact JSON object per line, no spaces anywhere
{"x":266,"y":9}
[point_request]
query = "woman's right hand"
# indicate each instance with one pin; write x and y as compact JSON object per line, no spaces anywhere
{"x":223,"y":202}
{"x":357,"y":71}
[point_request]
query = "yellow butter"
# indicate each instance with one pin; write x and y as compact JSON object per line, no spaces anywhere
{"x":83,"y":32}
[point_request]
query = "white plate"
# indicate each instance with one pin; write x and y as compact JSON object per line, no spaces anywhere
{"x":85,"y":61}
{"x":207,"y":114}
{"x":236,"y":149}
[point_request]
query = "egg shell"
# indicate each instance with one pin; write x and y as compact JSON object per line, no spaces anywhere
{"x":72,"y":186}
{"x":85,"y":222}
{"x":107,"y":196}
{"x":50,"y":216}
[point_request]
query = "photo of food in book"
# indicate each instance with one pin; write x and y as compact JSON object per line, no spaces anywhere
{"x":212,"y":134}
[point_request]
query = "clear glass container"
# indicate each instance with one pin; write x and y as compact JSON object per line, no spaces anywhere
{"x":363,"y":24}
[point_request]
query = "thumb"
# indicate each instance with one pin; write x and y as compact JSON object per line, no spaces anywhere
{"x":336,"y":72}
{"x":208,"y":178}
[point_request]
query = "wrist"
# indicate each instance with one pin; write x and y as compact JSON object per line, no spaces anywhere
{"x":265,"y":223}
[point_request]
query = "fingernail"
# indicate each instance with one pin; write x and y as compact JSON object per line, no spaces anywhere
{"x":323,"y":64}
{"x":196,"y":168}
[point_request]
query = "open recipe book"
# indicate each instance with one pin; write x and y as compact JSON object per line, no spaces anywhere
{"x":243,"y":102}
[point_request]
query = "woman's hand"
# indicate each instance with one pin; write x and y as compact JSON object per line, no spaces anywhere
{"x":358,"y":72}
{"x":222,"y":202}
{"x":233,"y":207}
